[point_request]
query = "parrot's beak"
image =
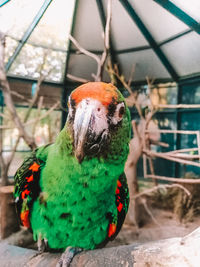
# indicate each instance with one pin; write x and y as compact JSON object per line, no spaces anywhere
{"x":90,"y":128}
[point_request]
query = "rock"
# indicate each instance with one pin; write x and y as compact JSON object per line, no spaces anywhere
{"x":173,"y":252}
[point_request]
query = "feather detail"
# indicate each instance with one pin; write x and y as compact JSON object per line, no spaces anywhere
{"x":27,"y":187}
{"x":112,"y":229}
{"x":24,"y":216}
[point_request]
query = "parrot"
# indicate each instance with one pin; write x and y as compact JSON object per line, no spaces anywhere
{"x":73,"y":193}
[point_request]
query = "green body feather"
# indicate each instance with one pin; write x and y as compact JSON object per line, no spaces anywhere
{"x":72,"y":209}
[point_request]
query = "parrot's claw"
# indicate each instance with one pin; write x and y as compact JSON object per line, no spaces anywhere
{"x":67,"y":256}
{"x":42,"y":245}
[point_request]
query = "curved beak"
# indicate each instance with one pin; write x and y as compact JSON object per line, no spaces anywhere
{"x":89,"y":129}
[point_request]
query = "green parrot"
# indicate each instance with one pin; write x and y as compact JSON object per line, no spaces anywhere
{"x":73,"y":194}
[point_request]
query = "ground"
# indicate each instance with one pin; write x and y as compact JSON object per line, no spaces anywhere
{"x":168,"y":227}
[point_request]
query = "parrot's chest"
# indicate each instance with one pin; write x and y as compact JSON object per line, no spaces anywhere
{"x":75,"y":212}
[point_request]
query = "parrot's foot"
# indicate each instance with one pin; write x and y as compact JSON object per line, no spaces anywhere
{"x":67,"y":256}
{"x":42,"y":245}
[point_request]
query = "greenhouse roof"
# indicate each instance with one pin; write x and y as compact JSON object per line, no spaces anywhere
{"x":158,"y":38}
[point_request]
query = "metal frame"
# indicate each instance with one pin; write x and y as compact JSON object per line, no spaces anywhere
{"x":28,"y":33}
{"x":121,"y":51}
{"x":3,"y":2}
{"x":178,"y":126}
{"x":174,"y":37}
{"x":180,"y":14}
{"x":150,"y":39}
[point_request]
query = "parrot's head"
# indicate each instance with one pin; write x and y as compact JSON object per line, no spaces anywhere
{"x":98,"y":119}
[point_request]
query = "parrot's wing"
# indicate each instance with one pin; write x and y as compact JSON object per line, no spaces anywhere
{"x":122,"y":203}
{"x":27,"y":187}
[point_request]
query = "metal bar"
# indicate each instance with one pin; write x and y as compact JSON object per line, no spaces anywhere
{"x":198,"y":143}
{"x":133,"y":49}
{"x":178,"y":127}
{"x":190,"y":79}
{"x":145,"y":47}
{"x":150,"y":39}
{"x":1,"y":123}
{"x":3,"y":2}
{"x":28,"y":33}
{"x":180,"y":14}
{"x":176,"y":36}
{"x":121,"y":51}
{"x":14,"y":78}
{"x":65,"y":93}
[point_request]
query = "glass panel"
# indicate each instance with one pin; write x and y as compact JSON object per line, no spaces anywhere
{"x":146,"y":64}
{"x":191,"y":7}
{"x":184,"y":54}
{"x":10,"y":47}
{"x":165,"y":121}
{"x":125,"y":28}
{"x":30,"y":60}
{"x":158,"y":21}
{"x":17,"y":15}
{"x":88,"y":27}
{"x":189,"y":120}
{"x":191,"y":94}
{"x":164,"y":95}
{"x":55,"y":25}
{"x":82,"y":66}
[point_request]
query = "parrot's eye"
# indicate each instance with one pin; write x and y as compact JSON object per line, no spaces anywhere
{"x":118,"y":114}
{"x":121,"y":112}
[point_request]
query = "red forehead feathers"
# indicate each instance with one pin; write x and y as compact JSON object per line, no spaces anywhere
{"x":104,"y":92}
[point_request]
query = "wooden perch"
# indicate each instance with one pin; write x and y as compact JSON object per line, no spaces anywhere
{"x":171,"y":157}
{"x":163,"y":253}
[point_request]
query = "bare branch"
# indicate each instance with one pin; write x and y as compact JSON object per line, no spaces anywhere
{"x":171,"y":131}
{"x":144,"y":202}
{"x":83,"y":50}
{"x":186,"y":106}
{"x":44,"y":115}
{"x":170,"y":157}
{"x":40,"y":103}
{"x":8,"y":98}
{"x":104,"y":56}
{"x":158,"y":143}
{"x":158,"y":187}
{"x":4,"y":116}
{"x":20,"y":96}
{"x":77,"y":79}
{"x":131,"y":75}
{"x":35,"y":97}
{"x":173,"y":179}
{"x":107,"y":28}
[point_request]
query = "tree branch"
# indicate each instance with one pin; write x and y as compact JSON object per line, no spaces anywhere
{"x":8,"y":98}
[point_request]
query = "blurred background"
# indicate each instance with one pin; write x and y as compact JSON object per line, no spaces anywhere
{"x":155,"y":39}
{"x":148,"y":48}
